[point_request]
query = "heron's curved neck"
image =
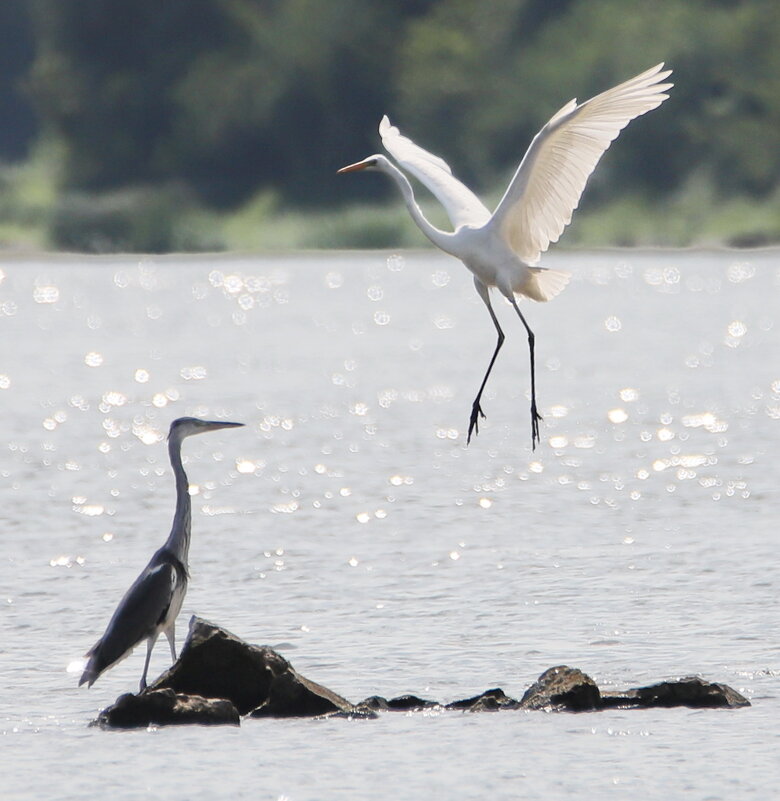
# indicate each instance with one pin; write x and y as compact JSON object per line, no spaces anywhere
{"x":439,"y":238}
{"x":179,"y":539}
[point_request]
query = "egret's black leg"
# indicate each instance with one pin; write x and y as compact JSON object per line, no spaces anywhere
{"x":535,"y":416}
{"x":476,"y":409}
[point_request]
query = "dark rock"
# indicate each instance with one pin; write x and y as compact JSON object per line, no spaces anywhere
{"x":691,"y":691}
{"x":293,"y":695}
{"x":401,"y":703}
{"x":219,"y":677}
{"x":375,"y":703}
{"x":358,"y":712}
{"x":488,"y":701}
{"x":404,"y":703}
{"x":216,"y":664}
{"x":165,"y":708}
{"x":562,"y":688}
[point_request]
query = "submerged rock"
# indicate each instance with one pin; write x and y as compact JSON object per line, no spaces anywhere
{"x":562,"y":688}
{"x":691,"y":691}
{"x":164,"y":708}
{"x":218,"y":678}
{"x":488,"y":701}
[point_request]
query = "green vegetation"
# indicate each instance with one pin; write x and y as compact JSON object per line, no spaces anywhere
{"x":219,"y":124}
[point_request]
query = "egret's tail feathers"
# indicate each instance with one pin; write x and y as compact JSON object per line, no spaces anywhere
{"x":545,"y":284}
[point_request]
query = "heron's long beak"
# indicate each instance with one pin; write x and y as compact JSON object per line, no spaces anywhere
{"x":359,"y":165}
{"x":213,"y":425}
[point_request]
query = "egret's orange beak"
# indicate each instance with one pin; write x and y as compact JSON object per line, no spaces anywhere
{"x":360,"y":165}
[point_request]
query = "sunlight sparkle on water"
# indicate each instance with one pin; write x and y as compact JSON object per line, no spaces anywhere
{"x":93,"y":359}
{"x":740,"y":271}
{"x":735,"y":330}
{"x":147,"y":433}
{"x":706,"y":420}
{"x":395,"y":263}
{"x":440,"y":278}
{"x":66,"y":561}
{"x":46,"y":294}
{"x":617,"y":415}
{"x":197,"y":373}
{"x":114,"y":398}
{"x":381,"y":318}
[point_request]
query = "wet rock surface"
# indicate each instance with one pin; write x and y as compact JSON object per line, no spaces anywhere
{"x":691,"y":691}
{"x":219,"y":678}
{"x":165,"y":708}
{"x":562,"y":688}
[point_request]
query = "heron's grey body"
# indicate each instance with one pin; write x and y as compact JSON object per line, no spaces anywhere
{"x":153,"y":602}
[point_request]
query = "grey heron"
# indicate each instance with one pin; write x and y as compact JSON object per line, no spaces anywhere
{"x":154,"y":600}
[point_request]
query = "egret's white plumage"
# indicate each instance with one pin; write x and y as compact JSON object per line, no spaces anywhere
{"x":502,"y":249}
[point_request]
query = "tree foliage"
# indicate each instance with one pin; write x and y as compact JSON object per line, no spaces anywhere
{"x":219,"y":100}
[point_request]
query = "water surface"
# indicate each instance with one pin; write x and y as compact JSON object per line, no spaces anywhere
{"x":349,"y":526}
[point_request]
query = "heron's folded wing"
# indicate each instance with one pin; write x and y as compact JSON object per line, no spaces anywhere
{"x":140,"y":611}
{"x":462,"y":206}
{"x":547,"y":186}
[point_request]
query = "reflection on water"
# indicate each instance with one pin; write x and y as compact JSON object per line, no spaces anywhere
{"x":349,"y":522}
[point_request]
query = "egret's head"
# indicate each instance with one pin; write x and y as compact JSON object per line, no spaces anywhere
{"x":187,"y":426}
{"x":375,"y":162}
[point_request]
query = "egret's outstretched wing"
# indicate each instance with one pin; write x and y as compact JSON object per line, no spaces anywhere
{"x":548,"y":184}
{"x":139,"y":613}
{"x":460,"y":203}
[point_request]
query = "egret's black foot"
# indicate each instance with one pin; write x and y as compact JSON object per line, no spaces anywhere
{"x":476,"y":413}
{"x":535,"y":419}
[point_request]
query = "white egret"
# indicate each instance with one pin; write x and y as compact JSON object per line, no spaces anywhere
{"x":502,"y":249}
{"x":153,"y":602}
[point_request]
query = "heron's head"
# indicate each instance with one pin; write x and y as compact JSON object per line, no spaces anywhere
{"x":375,"y":162}
{"x":187,"y":426}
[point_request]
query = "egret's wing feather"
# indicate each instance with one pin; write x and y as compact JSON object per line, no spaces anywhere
{"x":547,"y":186}
{"x":140,"y":611}
{"x":461,"y":204}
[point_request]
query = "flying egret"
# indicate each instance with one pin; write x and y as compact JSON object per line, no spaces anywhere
{"x":152,"y":603}
{"x":503,"y":249}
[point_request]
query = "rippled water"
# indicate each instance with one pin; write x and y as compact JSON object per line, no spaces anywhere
{"x":349,"y":526}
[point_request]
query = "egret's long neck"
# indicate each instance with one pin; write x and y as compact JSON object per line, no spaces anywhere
{"x":179,"y":538}
{"x":439,"y":238}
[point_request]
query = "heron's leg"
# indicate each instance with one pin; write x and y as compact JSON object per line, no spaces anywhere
{"x":149,"y":646}
{"x":535,"y":416}
{"x":476,"y":409}
{"x":170,"y":633}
